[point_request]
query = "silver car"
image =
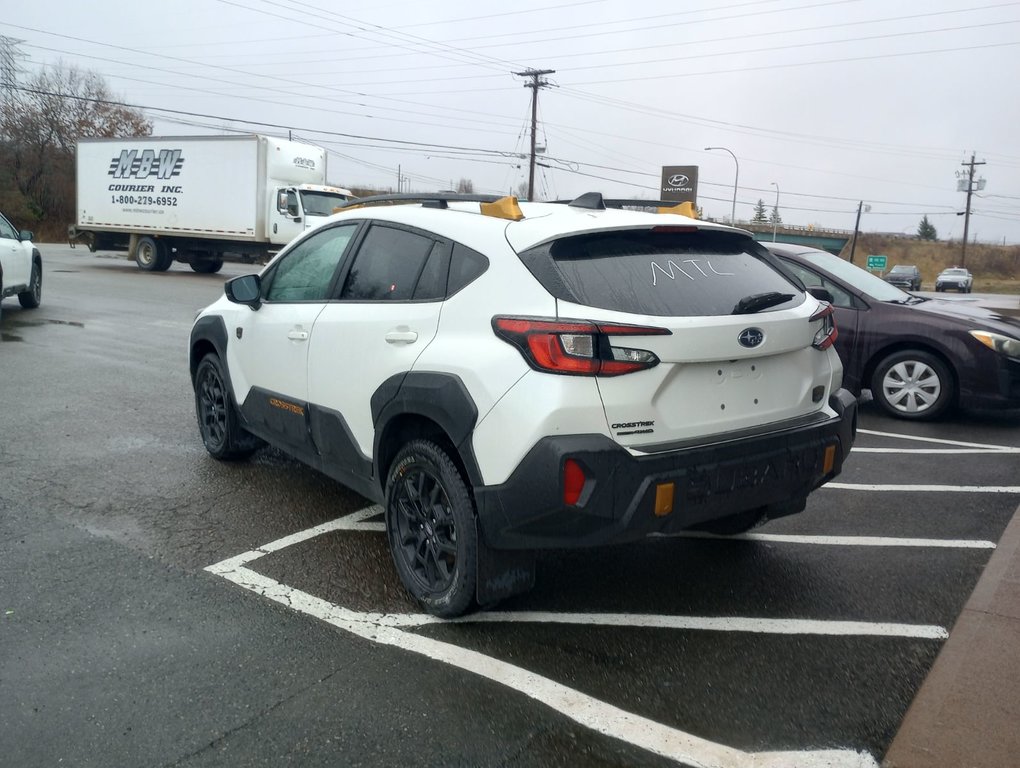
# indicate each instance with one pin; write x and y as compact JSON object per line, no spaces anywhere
{"x":956,"y":279}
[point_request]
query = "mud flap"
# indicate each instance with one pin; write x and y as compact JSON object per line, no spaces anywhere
{"x":502,"y":573}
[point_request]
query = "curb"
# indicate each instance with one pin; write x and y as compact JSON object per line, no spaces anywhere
{"x":966,"y":713}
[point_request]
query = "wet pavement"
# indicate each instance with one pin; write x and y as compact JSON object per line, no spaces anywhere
{"x":811,"y":639}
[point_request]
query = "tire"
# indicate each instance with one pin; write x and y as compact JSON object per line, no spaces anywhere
{"x":207,"y":266}
{"x":31,"y":298}
{"x":148,"y":255}
{"x":430,"y":525}
{"x":913,"y":385}
{"x":218,"y":422}
{"x":166,"y":258}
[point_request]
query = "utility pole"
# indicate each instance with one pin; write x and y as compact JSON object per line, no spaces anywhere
{"x":857,"y":226}
{"x":536,"y":83}
{"x":968,"y":184}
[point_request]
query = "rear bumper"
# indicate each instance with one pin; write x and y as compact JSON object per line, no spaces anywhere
{"x":776,"y":471}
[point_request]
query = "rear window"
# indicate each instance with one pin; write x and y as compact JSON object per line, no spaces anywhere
{"x":670,"y":274}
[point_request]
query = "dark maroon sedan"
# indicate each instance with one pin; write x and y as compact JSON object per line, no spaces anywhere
{"x":918,"y":356}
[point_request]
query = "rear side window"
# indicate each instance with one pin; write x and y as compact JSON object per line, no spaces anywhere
{"x":465,"y":266}
{"x":649,"y":272}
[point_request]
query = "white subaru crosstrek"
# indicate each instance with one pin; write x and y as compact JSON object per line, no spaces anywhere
{"x":507,"y":377}
{"x":20,"y":266}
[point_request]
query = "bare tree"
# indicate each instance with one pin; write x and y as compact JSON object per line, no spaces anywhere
{"x":466,"y":186}
{"x":41,"y":127}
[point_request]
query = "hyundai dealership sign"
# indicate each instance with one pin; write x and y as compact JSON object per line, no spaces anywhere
{"x":680,"y":183}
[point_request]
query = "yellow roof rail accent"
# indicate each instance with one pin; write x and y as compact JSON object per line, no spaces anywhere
{"x":504,"y":208}
{"x":685,"y":208}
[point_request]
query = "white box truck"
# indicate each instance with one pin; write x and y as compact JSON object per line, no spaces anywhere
{"x":199,"y":199}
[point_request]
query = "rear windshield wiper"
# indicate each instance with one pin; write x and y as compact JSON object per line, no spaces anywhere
{"x":759,"y":301}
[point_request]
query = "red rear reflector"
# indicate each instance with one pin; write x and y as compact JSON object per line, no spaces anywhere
{"x":573,"y":482}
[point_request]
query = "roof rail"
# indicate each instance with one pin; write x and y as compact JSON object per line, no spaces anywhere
{"x":595,"y":201}
{"x":428,"y":199}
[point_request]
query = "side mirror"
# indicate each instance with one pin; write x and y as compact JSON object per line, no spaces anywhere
{"x":822,"y":294}
{"x":26,"y":235}
{"x":246,"y":289}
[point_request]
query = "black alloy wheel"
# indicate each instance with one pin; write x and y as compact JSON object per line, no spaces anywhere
{"x":431,"y":529}
{"x":31,"y":298}
{"x":222,"y":435}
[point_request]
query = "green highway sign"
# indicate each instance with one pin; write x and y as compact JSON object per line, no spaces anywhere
{"x":877,"y":263}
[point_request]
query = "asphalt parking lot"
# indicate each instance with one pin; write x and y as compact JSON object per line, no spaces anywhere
{"x":160,"y":608}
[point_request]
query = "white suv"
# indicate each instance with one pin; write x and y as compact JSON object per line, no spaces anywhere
{"x":20,"y":266}
{"x":504,"y":378}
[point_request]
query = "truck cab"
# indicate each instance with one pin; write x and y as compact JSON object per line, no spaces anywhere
{"x":302,"y":207}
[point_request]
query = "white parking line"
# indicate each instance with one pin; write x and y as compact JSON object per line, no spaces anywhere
{"x":943,"y":451}
{"x":958,"y":443}
{"x":581,"y":708}
{"x":924,"y":488}
{"x":717,"y":624}
{"x":838,"y":541}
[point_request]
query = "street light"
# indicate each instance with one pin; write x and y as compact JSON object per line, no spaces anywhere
{"x":736,"y":176}
{"x":775,"y":212}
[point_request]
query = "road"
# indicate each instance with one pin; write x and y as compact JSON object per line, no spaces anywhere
{"x":159,"y":608}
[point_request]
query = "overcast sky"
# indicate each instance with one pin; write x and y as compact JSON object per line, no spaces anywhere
{"x":833,"y":102}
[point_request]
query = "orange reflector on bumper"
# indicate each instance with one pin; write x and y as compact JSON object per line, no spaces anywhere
{"x":664,"y":499}
{"x":830,"y":459}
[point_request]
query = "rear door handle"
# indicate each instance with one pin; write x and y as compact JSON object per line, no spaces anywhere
{"x":298,"y":335}
{"x":401,"y":337}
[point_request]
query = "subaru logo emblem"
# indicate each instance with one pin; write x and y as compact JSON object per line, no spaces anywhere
{"x":751,"y":337}
{"x":678,"y":180}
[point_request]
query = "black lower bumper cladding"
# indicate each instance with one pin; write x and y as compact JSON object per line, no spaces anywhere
{"x":774,"y":472}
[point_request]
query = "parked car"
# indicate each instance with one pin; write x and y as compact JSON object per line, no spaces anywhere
{"x":906,"y":276}
{"x":918,"y":356}
{"x":504,"y":378}
{"x":956,"y":279}
{"x":20,"y":266}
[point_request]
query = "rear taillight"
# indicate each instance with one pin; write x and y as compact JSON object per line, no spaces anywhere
{"x":576,"y":347}
{"x":826,"y":335}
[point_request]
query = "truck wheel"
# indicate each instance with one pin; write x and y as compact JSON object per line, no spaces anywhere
{"x":207,"y":266}
{"x":430,"y":526}
{"x":913,"y":384}
{"x":148,"y":254}
{"x":166,"y":258}
{"x":31,"y":298}
{"x":218,"y":422}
